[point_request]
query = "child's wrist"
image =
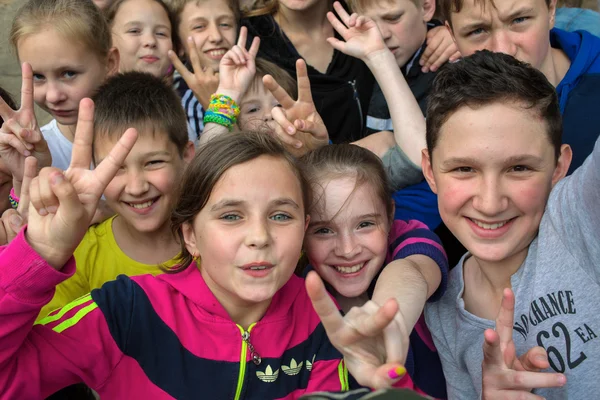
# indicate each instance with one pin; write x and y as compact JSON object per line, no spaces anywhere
{"x":235,"y":95}
{"x":222,"y":110}
{"x":377,"y":59}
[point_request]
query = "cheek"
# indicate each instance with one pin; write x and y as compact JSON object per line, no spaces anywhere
{"x":531,"y":197}
{"x":452,"y":195}
{"x":316,"y":250}
{"x":230,"y":36}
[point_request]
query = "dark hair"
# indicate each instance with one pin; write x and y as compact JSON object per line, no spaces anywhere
{"x":448,"y":7}
{"x":342,"y":160}
{"x":142,"y":101}
{"x":111,"y":12}
{"x":485,"y":78}
{"x":8,"y":100}
{"x":212,"y":160}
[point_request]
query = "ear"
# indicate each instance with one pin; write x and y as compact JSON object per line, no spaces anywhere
{"x":428,"y":7}
{"x":112,"y":61}
{"x":189,"y":237}
{"x":306,"y":222}
{"x":563,"y":164}
{"x":189,"y":152}
{"x":428,"y":170}
{"x":552,"y":13}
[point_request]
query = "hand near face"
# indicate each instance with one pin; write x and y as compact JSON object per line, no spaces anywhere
{"x":362,"y":38}
{"x":299,"y":125}
{"x":20,"y":135}
{"x":63,"y":203}
{"x":504,"y":376}
{"x":13,"y":220}
{"x":365,"y":336}
{"x":440,"y":49}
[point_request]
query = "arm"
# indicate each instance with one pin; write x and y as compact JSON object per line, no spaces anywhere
{"x":363,"y":40}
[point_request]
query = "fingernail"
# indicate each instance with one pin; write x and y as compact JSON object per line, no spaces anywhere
{"x":42,"y":212}
{"x":26,"y":153}
{"x":561,"y":380}
{"x":298,"y":145}
{"x":540,"y":357}
{"x":52,"y":209}
{"x":57,"y":178}
{"x":397,"y":372}
{"x":290,"y":129}
{"x":424,"y":70}
{"x":16,"y":221}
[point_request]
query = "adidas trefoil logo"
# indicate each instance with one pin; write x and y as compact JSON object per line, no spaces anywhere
{"x":268,"y":375}
{"x":293,"y":368}
{"x":309,"y":364}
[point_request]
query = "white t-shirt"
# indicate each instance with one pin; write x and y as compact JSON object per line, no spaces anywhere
{"x":60,"y":147}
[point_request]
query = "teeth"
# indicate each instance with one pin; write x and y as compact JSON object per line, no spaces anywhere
{"x":349,"y":270}
{"x":217,"y":53}
{"x":259,"y":268}
{"x":489,"y":226}
{"x":142,"y":205}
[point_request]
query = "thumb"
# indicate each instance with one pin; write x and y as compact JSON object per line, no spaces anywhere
{"x":384,"y":376}
{"x":535,"y":360}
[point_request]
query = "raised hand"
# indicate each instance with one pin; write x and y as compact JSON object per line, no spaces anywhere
{"x":20,"y":135}
{"x":440,"y":49}
{"x":299,"y":125}
{"x":13,"y":220}
{"x":362,"y":38}
{"x":202,"y":80}
{"x":238,"y":67}
{"x":504,"y":376}
{"x":363,"y":336}
{"x":63,"y":204}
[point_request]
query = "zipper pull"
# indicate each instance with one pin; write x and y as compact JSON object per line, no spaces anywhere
{"x":255,"y":356}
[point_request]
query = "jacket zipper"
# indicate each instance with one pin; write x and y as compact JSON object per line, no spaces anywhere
{"x":255,"y":358}
{"x":357,"y":99}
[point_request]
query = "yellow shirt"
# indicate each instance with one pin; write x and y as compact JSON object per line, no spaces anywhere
{"x":99,"y":259}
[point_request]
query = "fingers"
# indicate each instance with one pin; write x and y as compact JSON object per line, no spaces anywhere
{"x":505,"y":318}
{"x":243,"y":37}
{"x":42,"y":197}
{"x":337,"y":24}
{"x":278,"y":92}
{"x":5,"y":111}
{"x":374,"y":324}
{"x":9,"y":138}
{"x":29,"y":173}
{"x":108,"y":168}
{"x":492,"y":353}
{"x":339,"y":9}
{"x":194,"y":57}
{"x":253,"y":51}
{"x":180,"y":67}
{"x":12,"y":224}
{"x":81,"y":156}
{"x":26,"y":87}
{"x":323,"y":304}
{"x":304,"y":92}
{"x":535,"y":360}
{"x":279,"y":116}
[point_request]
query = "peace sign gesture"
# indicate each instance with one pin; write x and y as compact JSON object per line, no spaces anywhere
{"x":504,"y":376}
{"x":63,"y":204}
{"x":20,"y":135}
{"x":238,"y":67}
{"x":364,"y":336}
{"x":300,"y":126}
{"x":13,"y":220}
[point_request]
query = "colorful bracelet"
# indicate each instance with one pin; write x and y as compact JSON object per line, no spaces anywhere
{"x":222,"y":110}
{"x":13,"y":199}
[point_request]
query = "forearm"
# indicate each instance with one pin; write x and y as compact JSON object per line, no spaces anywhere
{"x":407,"y":118}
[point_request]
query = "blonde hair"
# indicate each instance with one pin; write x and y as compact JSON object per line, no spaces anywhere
{"x":77,"y":20}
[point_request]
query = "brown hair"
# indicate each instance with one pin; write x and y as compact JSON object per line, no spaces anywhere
{"x":485,"y":78}
{"x":77,"y":20}
{"x":341,"y":160}
{"x":265,"y":67}
{"x":268,"y":7}
{"x":448,"y":7}
{"x":177,"y":7}
{"x":359,"y":6}
{"x":212,"y":160}
{"x":142,"y":101}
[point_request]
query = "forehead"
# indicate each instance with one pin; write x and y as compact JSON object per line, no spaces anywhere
{"x":340,"y":199}
{"x":257,"y":92}
{"x":485,"y":9}
{"x":148,"y":141}
{"x":36,"y":48}
{"x":258,"y":181}
{"x":493,"y":132}
{"x":141,"y":10}
{"x":206,"y":9}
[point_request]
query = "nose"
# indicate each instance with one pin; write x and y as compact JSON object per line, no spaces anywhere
{"x":502,"y":42}
{"x":491,"y":199}
{"x":346,"y":246}
{"x":268,"y":116}
{"x":214,"y":34}
{"x":54,"y":92}
{"x":258,"y":234}
{"x":149,"y":40}
{"x":137,"y":184}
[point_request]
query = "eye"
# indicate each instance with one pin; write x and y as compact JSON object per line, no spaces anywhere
{"x":198,"y":27}
{"x":520,"y":168}
{"x":225,"y":25}
{"x":155,"y":163}
{"x":281,"y":217}
{"x":230,"y":217}
{"x":252,"y":110}
{"x":69,"y":74}
{"x":163,"y":34}
{"x":134,"y":31}
{"x":38,"y":77}
{"x":476,"y":32}
{"x":520,"y":20}
{"x":323,"y":231}
{"x":394,"y":18}
{"x":365,"y":224}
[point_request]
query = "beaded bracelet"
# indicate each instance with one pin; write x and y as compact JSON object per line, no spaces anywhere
{"x":13,"y":199}
{"x":222,"y":110}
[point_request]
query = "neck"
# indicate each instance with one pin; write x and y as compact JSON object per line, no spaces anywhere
{"x":347,"y":303}
{"x":313,"y":19}
{"x":157,"y":242}
{"x":68,"y":131}
{"x":494,"y":275}
{"x":555,"y":66}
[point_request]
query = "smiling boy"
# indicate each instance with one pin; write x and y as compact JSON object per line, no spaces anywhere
{"x":496,"y":161}
{"x":523,"y":29}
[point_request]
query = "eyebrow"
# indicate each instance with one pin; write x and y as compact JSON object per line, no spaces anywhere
{"x":142,"y":23}
{"x":147,"y":155}
{"x":315,"y":222}
{"x":391,"y":14}
{"x":473,"y":26}
{"x":517,"y":13}
{"x":517,"y":159}
{"x":227,"y":203}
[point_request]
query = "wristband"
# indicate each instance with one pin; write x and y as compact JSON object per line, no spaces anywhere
{"x":222,"y":110}
{"x":14,"y":200}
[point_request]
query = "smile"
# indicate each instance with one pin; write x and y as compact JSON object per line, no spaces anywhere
{"x":349,"y":270}
{"x":490,"y":227}
{"x":216,"y":53}
{"x":141,"y":206}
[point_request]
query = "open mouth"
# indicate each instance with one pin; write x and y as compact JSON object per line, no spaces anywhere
{"x":142,"y":205}
{"x":492,"y":226}
{"x":349,"y":269}
{"x":216,"y":54}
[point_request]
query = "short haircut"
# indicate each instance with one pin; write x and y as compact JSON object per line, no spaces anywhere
{"x":360,"y":6}
{"x":454,"y":6}
{"x":142,"y":101}
{"x":485,"y":78}
{"x":79,"y":21}
{"x":177,"y":7}
{"x":264,"y":67}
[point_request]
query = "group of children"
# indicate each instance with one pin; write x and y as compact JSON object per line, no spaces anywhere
{"x":195,"y":222}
